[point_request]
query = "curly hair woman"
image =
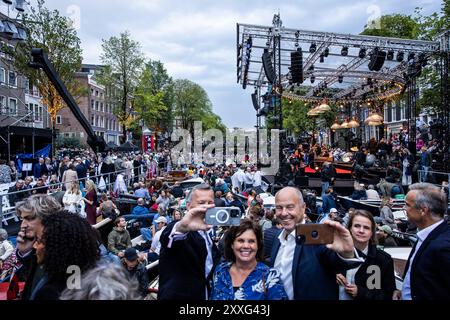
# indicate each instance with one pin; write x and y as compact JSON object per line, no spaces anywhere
{"x":63,"y":240}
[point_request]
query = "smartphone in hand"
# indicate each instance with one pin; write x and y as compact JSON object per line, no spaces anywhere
{"x":314,"y":234}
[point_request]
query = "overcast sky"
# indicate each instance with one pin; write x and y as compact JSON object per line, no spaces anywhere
{"x":196,"y":39}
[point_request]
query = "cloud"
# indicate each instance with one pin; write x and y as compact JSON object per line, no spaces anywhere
{"x":196,"y":39}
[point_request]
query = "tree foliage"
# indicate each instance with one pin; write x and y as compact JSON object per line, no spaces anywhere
{"x":394,"y":26}
{"x":56,"y":35}
{"x":148,"y":102}
{"x":191,"y":103}
{"x":123,"y":62}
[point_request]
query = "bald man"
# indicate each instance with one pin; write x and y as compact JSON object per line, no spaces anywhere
{"x":308,"y":271}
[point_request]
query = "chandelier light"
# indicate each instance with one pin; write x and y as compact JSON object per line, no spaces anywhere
{"x":324,"y":107}
{"x":335,"y":126}
{"x":344,"y":124}
{"x":353,"y":123}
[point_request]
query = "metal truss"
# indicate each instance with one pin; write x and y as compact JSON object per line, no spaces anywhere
{"x":352,"y":68}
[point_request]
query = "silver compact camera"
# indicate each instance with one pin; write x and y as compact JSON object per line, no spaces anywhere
{"x":223,"y":216}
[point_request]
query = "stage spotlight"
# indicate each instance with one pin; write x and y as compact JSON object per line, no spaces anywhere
{"x":326,"y":52}
{"x":312,"y":48}
{"x":321,"y":58}
{"x":362,"y":53}
{"x":311,"y":68}
{"x":340,"y":79}
{"x":411,"y":56}
{"x":390,"y":55}
{"x":344,"y":51}
{"x":400,"y":56}
{"x":312,"y":79}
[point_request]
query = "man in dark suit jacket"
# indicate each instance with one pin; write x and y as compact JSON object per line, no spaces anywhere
{"x":188,"y":255}
{"x":39,"y":169}
{"x":427,"y":274}
{"x":308,"y":271}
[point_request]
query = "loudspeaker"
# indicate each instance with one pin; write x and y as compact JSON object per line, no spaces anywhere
{"x":255,"y":101}
{"x":297,"y":66}
{"x":301,"y":181}
{"x":268,"y":67}
{"x":377,"y":59}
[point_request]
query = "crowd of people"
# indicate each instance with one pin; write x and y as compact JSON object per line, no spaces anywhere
{"x":259,"y":259}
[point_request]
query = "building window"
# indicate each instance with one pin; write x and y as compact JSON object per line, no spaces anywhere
{"x":92,"y":120}
{"x":96,"y":105}
{"x":92,"y":104}
{"x":12,"y":80}
{"x":101,"y":107}
{"x":92,"y":92}
{"x":12,"y":106}
{"x":2,"y":75}
{"x":58,"y":120}
{"x":96,"y":93}
{"x":3,"y":106}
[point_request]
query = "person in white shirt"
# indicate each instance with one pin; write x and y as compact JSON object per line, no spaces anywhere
{"x":427,"y":274}
{"x":308,"y":271}
{"x":155,"y":248}
{"x":371,"y":193}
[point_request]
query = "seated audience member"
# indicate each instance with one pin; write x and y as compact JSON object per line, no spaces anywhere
{"x":119,"y":238}
{"x":107,"y":208}
{"x":7,"y":255}
{"x":15,"y":196}
{"x":243,"y":276}
{"x":328,"y":200}
{"x":177,"y":190}
{"x":140,"y":209}
{"x":73,"y":200}
{"x":142,"y":192}
{"x":371,"y":193}
{"x":359,"y":193}
{"x":332,"y":215}
{"x":218,"y":201}
{"x":385,"y":238}
{"x":40,"y":187}
{"x":104,"y":282}
{"x":354,"y":283}
{"x":155,"y":248}
{"x":136,"y":269}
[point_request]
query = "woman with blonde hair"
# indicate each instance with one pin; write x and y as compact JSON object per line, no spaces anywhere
{"x":73,"y":200}
{"x":386,"y":214}
{"x":91,"y":202}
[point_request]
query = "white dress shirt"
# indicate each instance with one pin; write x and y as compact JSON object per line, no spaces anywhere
{"x":284,"y":260}
{"x":421,"y":236}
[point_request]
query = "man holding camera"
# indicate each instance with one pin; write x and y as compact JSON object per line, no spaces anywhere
{"x":307,"y":270}
{"x":188,"y":255}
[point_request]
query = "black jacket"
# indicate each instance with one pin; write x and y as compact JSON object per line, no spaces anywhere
{"x":140,"y":272}
{"x":182,"y":267}
{"x":430,"y":276}
{"x":384,"y":261}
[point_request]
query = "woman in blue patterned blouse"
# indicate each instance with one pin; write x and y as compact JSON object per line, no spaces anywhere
{"x":243,"y":276}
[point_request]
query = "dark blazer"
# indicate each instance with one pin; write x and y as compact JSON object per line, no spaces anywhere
{"x":182,"y":267}
{"x":386,"y":264}
{"x":314,"y":269}
{"x":430,"y":276}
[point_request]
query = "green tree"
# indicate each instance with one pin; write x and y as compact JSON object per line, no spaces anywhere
{"x":191,"y":103}
{"x":56,"y":35}
{"x":395,"y":26}
{"x":149,"y":103}
{"x":161,"y":82}
{"x":123,"y":62}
